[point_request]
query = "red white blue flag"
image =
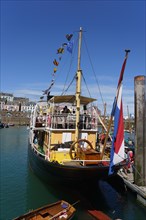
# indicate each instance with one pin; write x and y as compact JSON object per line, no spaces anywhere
{"x":117,"y":150}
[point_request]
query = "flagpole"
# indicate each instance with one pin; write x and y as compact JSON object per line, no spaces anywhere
{"x":111,"y":118}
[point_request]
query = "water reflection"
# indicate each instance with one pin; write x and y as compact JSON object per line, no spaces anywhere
{"x":21,"y":190}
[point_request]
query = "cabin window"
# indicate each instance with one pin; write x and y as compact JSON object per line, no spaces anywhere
{"x":66,"y":136}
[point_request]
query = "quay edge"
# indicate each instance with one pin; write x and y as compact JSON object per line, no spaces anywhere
{"x":136,"y":180}
{"x":140,"y":191}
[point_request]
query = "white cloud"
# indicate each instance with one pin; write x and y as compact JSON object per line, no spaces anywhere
{"x":108,"y":93}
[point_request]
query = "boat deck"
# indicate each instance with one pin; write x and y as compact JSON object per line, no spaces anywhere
{"x":60,"y":210}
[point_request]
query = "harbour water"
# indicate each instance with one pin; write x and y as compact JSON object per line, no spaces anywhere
{"x":21,"y":190}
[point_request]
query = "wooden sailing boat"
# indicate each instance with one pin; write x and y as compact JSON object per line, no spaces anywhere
{"x":98,"y":215}
{"x":54,"y":211}
{"x":63,"y":144}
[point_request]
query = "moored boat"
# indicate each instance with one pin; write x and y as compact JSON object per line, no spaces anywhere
{"x":63,"y":141}
{"x":99,"y":215}
{"x":54,"y":211}
{"x":6,"y":126}
{"x":10,"y":124}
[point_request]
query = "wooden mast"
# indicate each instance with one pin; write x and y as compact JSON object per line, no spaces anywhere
{"x":78,"y":86}
{"x":129,"y":127}
{"x":104,"y":115}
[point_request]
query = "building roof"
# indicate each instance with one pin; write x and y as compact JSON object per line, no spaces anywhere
{"x":6,"y":94}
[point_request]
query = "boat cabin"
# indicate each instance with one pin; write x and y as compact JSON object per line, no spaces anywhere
{"x":55,"y":127}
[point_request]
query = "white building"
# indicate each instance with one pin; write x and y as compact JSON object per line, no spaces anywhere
{"x":6,"y":96}
{"x":10,"y":103}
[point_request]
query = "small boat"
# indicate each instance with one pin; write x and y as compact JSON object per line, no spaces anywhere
{"x":54,"y":211}
{"x":10,"y":124}
{"x":63,"y":141}
{"x":99,"y":215}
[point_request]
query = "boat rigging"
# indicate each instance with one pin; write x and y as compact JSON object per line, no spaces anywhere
{"x":63,"y":143}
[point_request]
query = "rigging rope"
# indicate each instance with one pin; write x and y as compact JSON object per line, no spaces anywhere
{"x":68,"y":86}
{"x":65,"y":90}
{"x":86,"y":85}
{"x":60,"y":51}
{"x":94,"y":71}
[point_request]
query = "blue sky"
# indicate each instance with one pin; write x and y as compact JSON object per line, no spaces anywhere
{"x":32,"y":31}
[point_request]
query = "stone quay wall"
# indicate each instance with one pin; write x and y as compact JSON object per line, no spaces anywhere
{"x":15,"y":117}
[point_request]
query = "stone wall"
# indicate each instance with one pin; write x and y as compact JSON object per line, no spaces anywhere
{"x":16,"y":118}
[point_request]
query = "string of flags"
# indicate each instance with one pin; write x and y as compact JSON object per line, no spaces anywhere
{"x":69,"y":46}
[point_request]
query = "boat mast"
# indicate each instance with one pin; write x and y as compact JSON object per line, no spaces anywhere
{"x":129,"y":127}
{"x":104,"y":116}
{"x":78,"y":86}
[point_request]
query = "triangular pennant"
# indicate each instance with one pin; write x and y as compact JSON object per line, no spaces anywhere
{"x":69,"y":36}
{"x":45,"y":91}
{"x":60,"y":50}
{"x":41,"y":97}
{"x":64,"y":44}
{"x":55,"y":62}
{"x":55,"y":69}
{"x":70,"y":46}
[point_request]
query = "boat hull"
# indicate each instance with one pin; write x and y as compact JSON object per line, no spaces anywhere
{"x":57,"y":210}
{"x":57,"y":173}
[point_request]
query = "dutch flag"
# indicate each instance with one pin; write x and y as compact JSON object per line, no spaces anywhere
{"x":117,"y":150}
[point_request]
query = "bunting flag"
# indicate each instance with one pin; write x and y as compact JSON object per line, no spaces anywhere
{"x":117,"y":150}
{"x":60,"y":51}
{"x":55,"y":69}
{"x":64,"y":44}
{"x":41,"y":97}
{"x":69,"y":36}
{"x":55,"y":62}
{"x":70,"y":46}
{"x":47,"y":90}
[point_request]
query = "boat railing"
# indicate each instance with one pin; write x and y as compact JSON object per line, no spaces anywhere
{"x":67,"y":121}
{"x":34,"y":147}
{"x":83,"y":162}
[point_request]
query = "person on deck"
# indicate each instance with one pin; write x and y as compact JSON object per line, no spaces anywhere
{"x":66,"y":111}
{"x":131,"y":160}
